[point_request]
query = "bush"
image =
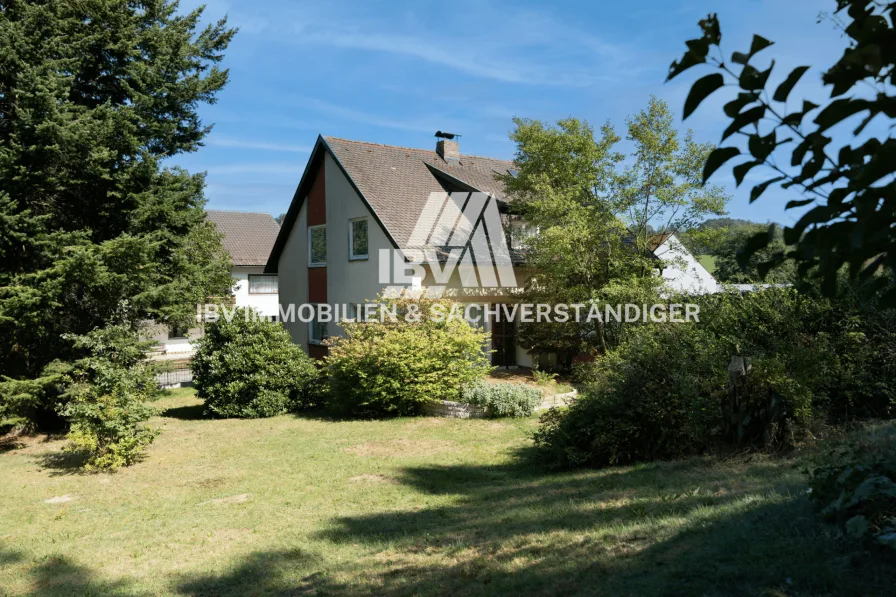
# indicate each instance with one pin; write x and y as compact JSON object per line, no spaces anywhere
{"x":502,"y":399}
{"x":543,"y":378}
{"x":106,"y":399}
{"x":391,"y":368}
{"x":662,"y":393}
{"x":249,"y":367}
{"x":653,"y":398}
{"x":853,"y":485}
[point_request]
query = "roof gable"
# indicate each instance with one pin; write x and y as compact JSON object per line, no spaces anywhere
{"x":394,"y":182}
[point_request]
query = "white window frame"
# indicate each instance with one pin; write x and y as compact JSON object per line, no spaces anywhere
{"x":311,"y":324}
{"x":351,"y":240}
{"x":310,"y":262}
{"x":249,"y":284}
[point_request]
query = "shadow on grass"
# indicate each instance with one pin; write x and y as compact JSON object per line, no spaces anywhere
{"x":9,"y":443}
{"x":192,"y":412}
{"x":63,"y":463}
{"x":684,"y":528}
{"x":262,"y":573}
{"x":59,"y":577}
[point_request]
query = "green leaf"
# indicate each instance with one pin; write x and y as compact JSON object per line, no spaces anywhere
{"x":716,"y":159}
{"x":740,"y":171}
{"x":753,"y":115}
{"x":798,"y":203}
{"x":739,"y":58}
{"x":701,"y":89}
{"x":712,"y":32}
{"x":857,"y":527}
{"x":761,"y":147}
{"x":760,"y":188}
{"x":839,"y":110}
{"x":785,"y":88}
{"x":755,"y":243}
{"x":759,"y":44}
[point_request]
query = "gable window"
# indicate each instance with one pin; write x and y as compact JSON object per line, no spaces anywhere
{"x":357,"y":238}
{"x":317,"y":246}
{"x":317,"y":331}
{"x":263,"y":284}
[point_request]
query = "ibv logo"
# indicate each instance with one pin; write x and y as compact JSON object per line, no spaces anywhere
{"x":458,"y":232}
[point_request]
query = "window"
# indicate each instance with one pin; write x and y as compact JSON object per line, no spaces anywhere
{"x":317,"y":245}
{"x":178,"y":331}
{"x":520,"y":233}
{"x":263,"y":284}
{"x":357,"y":238}
{"x":317,"y":331}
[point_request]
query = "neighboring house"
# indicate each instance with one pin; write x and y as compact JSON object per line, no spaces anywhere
{"x":681,"y":270}
{"x":248,"y":237}
{"x":356,"y":199}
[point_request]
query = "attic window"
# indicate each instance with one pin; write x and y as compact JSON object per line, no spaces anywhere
{"x":357,"y":234}
{"x":317,"y":246}
{"x":513,"y":173}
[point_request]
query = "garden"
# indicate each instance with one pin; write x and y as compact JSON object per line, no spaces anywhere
{"x":302,"y":504}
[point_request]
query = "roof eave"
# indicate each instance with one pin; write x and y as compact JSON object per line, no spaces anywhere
{"x":320,"y":148}
{"x":294,"y":207}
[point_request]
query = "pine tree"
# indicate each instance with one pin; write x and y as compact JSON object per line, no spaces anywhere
{"x":94,"y":95}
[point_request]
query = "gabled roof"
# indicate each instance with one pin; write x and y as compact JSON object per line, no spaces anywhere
{"x":656,"y":240}
{"x":248,"y":236}
{"x":394,"y":182}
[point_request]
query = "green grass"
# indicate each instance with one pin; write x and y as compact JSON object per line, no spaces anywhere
{"x":708,"y":261}
{"x":309,"y":506}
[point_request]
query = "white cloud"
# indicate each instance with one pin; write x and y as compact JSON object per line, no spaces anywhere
{"x":230,"y":142}
{"x":294,"y":169}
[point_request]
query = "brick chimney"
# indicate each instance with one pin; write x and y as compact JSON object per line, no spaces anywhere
{"x":448,"y":147}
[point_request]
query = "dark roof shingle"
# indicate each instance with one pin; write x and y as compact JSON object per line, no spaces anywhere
{"x":397,"y":181}
{"x":248,"y":236}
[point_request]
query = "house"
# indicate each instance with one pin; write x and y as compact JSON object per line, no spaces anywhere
{"x":681,"y":271}
{"x":249,"y":238}
{"x":360,"y":204}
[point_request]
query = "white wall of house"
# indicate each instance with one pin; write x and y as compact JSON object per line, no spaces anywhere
{"x":266,"y":304}
{"x":681,"y":271}
{"x":349,"y":280}
{"x":292,"y":268}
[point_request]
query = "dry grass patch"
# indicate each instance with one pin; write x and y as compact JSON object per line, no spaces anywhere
{"x":402,"y":448}
{"x":370,"y":478}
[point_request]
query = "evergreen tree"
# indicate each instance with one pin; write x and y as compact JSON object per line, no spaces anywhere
{"x":94,"y":95}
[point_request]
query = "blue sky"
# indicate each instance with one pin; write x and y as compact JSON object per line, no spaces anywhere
{"x":394,"y":72}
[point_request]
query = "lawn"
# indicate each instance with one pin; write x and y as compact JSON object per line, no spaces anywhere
{"x":708,"y":262}
{"x":309,"y":506}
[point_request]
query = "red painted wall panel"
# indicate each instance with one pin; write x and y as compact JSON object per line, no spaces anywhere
{"x":317,"y":285}
{"x":316,"y":351}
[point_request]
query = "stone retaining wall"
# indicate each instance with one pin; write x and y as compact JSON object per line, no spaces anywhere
{"x":458,"y":410}
{"x":455,"y":410}
{"x":556,"y":400}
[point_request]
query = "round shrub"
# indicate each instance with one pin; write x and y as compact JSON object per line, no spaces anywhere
{"x":502,"y":399}
{"x":392,"y":367}
{"x":249,"y":367}
{"x":656,"y":396}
